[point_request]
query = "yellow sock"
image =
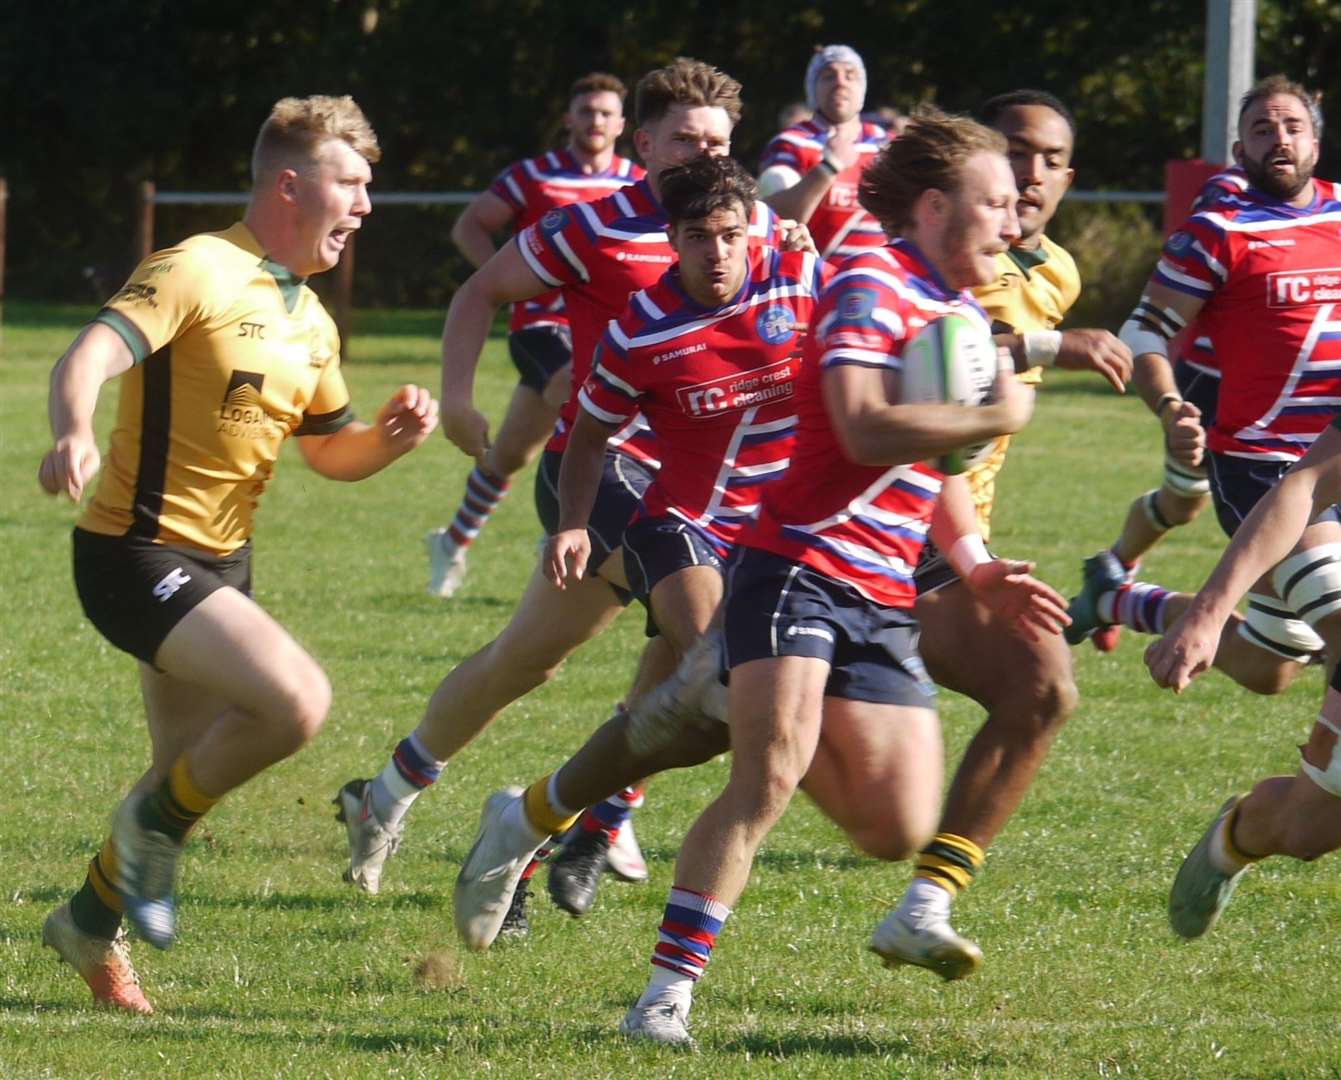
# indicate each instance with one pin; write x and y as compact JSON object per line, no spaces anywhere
{"x":542,"y":814}
{"x":1232,"y":852}
{"x":949,"y":861}
{"x":102,"y":871}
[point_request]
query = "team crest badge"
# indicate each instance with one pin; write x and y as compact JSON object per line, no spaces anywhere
{"x":856,"y":305}
{"x":554,"y":221}
{"x":1179,"y":242}
{"x":776,"y":325}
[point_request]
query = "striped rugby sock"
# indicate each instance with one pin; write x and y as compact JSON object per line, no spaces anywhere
{"x":484,"y":492}
{"x":411,"y":770}
{"x":949,"y":861}
{"x":177,"y":804}
{"x":688,"y":931}
{"x":1139,"y":605}
{"x":97,"y":908}
{"x":609,"y":816}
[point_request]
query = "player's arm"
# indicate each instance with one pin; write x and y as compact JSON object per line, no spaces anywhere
{"x":874,"y":431}
{"x":1072,"y":350}
{"x":505,"y":278}
{"x":1266,"y":536}
{"x":474,"y":230}
{"x":1160,"y":314}
{"x":99,"y":353}
{"x":795,"y":196}
{"x":357,"y":450}
{"x":1028,"y":605}
{"x":567,"y":551}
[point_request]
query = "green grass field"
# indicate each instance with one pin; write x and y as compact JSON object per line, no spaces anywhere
{"x":283,"y":970}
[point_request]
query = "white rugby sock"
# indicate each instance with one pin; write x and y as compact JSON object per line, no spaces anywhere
{"x":667,"y":985}
{"x":924,"y":899}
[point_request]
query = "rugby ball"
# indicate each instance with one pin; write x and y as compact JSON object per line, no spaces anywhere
{"x":951,"y":361}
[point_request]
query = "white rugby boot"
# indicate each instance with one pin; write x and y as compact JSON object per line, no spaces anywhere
{"x":1201,"y":890}
{"x":926,"y":940}
{"x":370,"y":842}
{"x":446,"y":564}
{"x":104,"y":965}
{"x":692,"y":692}
{"x":146,"y":874}
{"x":625,"y":858}
{"x":489,"y":876}
{"x":665,"y":1021}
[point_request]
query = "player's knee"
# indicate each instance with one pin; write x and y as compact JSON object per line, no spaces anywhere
{"x":306,"y":701}
{"x":894,"y":843}
{"x":763,"y":793}
{"x":1036,"y":701}
{"x":1264,"y":674}
{"x":1180,"y":509}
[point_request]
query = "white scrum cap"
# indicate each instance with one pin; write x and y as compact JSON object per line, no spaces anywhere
{"x":832,"y":54}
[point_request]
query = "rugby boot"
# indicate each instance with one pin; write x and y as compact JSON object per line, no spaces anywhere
{"x":1201,"y":890}
{"x":515,"y":923}
{"x":665,"y":1022}
{"x":370,"y":842}
{"x":625,"y":858}
{"x":147,"y":872}
{"x":446,"y":564}
{"x":103,"y":964}
{"x":575,"y":873}
{"x":489,"y":876}
{"x":929,"y":942}
{"x":1103,"y":574}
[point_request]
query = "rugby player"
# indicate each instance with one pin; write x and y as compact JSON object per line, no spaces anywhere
{"x":224,"y":352}
{"x":598,"y":254}
{"x":1297,"y":816}
{"x":1183,"y":401}
{"x":709,"y":355}
{"x":825,"y":683}
{"x":539,"y":341}
{"x":1256,"y":272}
{"x":1026,"y":685}
{"x":810,"y":170}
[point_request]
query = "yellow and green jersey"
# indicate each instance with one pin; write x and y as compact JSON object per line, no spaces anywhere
{"x":1033,"y":291}
{"x":232,"y":355}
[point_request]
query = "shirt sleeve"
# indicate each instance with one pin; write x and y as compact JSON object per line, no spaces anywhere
{"x":167,"y":294}
{"x":860,"y":323}
{"x":329,"y":410}
{"x":556,"y":247}
{"x":613,"y":388}
{"x":508,"y":186}
{"x":1195,"y":259}
{"x":781,"y":151}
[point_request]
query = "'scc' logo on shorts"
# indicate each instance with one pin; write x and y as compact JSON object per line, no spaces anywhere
{"x":164,"y":590}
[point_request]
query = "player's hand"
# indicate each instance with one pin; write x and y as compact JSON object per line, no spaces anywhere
{"x":841,"y":149}
{"x":1012,"y":401}
{"x":69,"y":465}
{"x":1032,"y":608}
{"x":1097,"y":351}
{"x":467,"y":429}
{"x":1185,"y":651}
{"x":565,"y":557}
{"x":796,"y":236}
{"x":1183,"y":434}
{"x":407,"y":419}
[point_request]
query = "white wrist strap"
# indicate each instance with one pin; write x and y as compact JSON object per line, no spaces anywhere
{"x":968,"y":551}
{"x":1042,"y":346}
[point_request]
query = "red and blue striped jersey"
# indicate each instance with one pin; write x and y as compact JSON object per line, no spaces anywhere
{"x":864,"y":525}
{"x":1198,"y":351}
{"x":839,"y":225}
{"x":532,"y":188}
{"x":599,"y":254}
{"x":1270,"y":278}
{"x":716,"y":385}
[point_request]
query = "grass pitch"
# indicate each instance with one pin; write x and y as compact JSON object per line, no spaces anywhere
{"x":283,"y":970}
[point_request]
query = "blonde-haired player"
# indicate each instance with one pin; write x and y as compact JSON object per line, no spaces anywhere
{"x":223,"y":352}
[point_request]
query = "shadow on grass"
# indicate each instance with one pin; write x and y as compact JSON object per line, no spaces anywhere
{"x":825,"y":1045}
{"x":344,"y":901}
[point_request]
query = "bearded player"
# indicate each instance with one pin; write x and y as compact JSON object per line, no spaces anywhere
{"x":1257,"y":273}
{"x":539,"y":339}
